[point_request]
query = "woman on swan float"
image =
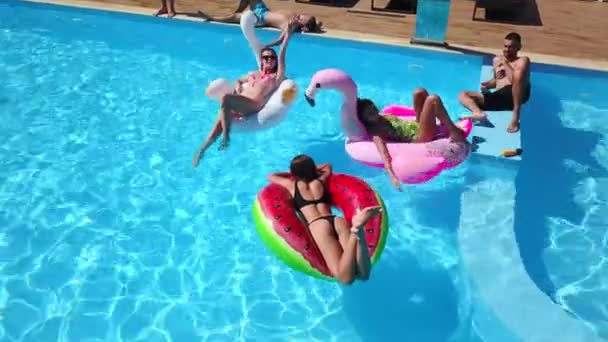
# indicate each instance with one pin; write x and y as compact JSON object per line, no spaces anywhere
{"x":387,"y":128}
{"x":343,"y":247}
{"x":250,"y":94}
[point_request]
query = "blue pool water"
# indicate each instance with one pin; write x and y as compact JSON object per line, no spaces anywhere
{"x":108,"y":234}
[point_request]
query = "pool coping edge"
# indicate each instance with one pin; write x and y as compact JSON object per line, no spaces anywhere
{"x":459,"y":49}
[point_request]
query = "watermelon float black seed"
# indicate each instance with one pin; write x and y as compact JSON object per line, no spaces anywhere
{"x":307,"y":246}
{"x":287,"y":229}
{"x":298,"y":234}
{"x":370,"y":230}
{"x":277,"y":217}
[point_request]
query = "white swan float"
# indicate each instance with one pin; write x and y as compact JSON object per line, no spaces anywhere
{"x":278,"y":104}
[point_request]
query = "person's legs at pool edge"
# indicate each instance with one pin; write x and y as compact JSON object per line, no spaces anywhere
{"x":166,"y":8}
{"x":233,"y":18}
{"x":473,"y":101}
{"x":507,"y":98}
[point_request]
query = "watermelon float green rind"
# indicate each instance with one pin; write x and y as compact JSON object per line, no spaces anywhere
{"x":383,"y":235}
{"x":280,"y":247}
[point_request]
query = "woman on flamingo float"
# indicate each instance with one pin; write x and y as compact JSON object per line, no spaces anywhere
{"x":383,"y":128}
{"x":250,"y":95}
{"x":343,"y":247}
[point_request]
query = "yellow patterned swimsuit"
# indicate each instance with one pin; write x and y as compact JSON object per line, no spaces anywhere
{"x":407,"y":129}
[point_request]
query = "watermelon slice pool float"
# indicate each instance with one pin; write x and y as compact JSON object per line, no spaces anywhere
{"x":288,"y":237}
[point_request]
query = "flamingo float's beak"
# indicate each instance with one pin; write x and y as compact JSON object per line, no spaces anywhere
{"x":310,"y":92}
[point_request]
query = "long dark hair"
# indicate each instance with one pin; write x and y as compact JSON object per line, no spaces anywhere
{"x":276,"y":61}
{"x":304,"y":168}
{"x":367,"y":112}
{"x":369,"y":116}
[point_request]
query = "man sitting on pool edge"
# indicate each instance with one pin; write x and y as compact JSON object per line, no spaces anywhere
{"x":511,"y":80}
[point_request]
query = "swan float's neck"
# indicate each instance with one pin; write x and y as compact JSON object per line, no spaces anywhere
{"x":247,"y":23}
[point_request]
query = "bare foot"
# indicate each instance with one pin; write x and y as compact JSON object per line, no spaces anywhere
{"x":171,"y":14}
{"x":197,"y":158}
{"x":162,"y":10}
{"x":513,"y":126}
{"x":479,"y":119}
{"x":476,"y":117}
{"x":479,"y":116}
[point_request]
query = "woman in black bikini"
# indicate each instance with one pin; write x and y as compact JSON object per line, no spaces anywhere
{"x":343,"y":246}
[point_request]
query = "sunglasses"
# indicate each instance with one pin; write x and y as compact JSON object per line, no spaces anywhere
{"x":268,"y":57}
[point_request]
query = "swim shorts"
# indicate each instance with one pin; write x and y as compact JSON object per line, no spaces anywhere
{"x":502,"y":99}
{"x":260,"y":11}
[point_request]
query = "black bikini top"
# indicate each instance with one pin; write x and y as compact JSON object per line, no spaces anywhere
{"x":299,"y":201}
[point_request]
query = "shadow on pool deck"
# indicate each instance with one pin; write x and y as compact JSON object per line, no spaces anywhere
{"x":544,"y":183}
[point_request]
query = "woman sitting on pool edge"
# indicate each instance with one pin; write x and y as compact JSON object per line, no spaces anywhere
{"x":343,"y":247}
{"x":266,"y":17}
{"x":382,"y":129}
{"x":250,"y":99}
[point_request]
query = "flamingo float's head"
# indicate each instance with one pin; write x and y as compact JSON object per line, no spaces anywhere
{"x":330,"y":79}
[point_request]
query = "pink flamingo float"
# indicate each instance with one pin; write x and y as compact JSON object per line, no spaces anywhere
{"x":412,"y":162}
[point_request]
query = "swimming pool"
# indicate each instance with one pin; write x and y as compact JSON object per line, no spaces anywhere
{"x":107,"y":233}
{"x":547,"y":214}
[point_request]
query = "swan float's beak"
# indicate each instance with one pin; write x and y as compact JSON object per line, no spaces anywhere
{"x":310,"y":93}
